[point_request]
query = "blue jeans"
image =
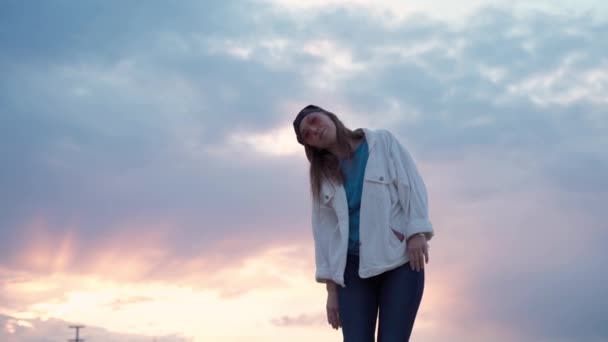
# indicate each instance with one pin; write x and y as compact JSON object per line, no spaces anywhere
{"x":395,"y":294}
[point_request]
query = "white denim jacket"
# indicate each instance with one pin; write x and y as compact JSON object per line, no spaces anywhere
{"x":394,"y":197}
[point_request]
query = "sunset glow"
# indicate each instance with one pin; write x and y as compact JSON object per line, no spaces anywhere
{"x":152,"y":188}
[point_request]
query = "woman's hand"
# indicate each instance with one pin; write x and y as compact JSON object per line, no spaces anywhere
{"x":333,"y":315}
{"x":418,"y":251}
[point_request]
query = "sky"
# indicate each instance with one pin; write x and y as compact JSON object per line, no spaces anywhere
{"x":152,"y":189}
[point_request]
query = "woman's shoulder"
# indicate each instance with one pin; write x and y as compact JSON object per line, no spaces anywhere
{"x":381,"y":134}
{"x":377,"y":131}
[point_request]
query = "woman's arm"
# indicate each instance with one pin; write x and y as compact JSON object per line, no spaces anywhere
{"x":411,"y":191}
{"x":331,"y":286}
{"x":321,"y":240}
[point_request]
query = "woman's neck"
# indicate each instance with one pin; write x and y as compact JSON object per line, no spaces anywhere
{"x":335,"y":150}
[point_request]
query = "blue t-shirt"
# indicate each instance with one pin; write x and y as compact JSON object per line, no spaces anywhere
{"x":353,"y":170}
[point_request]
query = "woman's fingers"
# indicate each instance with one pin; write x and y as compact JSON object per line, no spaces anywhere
{"x":337,"y":315}
{"x":418,"y":257}
{"x":414,"y":260}
{"x":418,"y":253}
{"x":410,"y":256}
{"x":333,"y":318}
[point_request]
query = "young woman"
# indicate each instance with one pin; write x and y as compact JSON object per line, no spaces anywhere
{"x":370,"y":226}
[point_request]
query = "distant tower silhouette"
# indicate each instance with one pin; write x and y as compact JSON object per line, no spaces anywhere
{"x":77,"y":327}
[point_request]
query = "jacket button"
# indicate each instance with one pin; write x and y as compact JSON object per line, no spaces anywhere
{"x":381,"y":178}
{"x":326,"y":196}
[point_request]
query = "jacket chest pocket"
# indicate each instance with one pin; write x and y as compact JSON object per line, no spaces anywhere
{"x":378,"y":169}
{"x":380,"y":184}
{"x":378,"y":177}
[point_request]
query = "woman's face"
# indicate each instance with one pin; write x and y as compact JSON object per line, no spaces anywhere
{"x":318,"y":130}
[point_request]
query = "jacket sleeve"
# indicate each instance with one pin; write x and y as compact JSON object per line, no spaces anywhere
{"x":411,"y":190}
{"x":321,"y":239}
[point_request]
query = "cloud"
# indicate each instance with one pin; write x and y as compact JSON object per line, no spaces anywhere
{"x":36,"y":330}
{"x":300,"y":320}
{"x":515,"y":259}
{"x":150,"y":143}
{"x":119,"y":303}
{"x":201,"y":304}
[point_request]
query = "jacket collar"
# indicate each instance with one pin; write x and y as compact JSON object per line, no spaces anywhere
{"x":328,"y":188}
{"x":371,"y":137}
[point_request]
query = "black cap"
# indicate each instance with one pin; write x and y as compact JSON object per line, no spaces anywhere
{"x":301,"y":115}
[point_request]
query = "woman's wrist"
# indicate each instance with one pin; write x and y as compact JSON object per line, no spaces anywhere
{"x":417,"y":234}
{"x":331,"y":286}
